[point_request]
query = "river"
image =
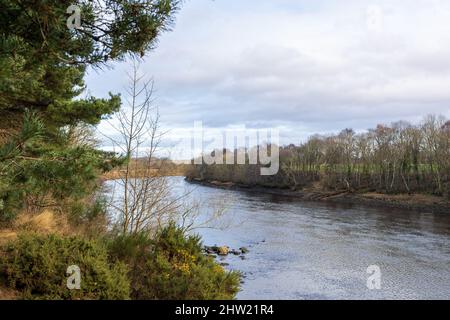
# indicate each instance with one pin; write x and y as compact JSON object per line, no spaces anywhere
{"x":308,"y":250}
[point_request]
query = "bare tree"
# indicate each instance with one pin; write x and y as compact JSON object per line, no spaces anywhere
{"x":142,"y":197}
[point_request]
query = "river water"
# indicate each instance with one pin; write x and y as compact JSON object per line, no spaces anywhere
{"x":307,"y":250}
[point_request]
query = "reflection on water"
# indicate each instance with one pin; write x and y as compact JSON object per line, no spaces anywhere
{"x":306,"y":250}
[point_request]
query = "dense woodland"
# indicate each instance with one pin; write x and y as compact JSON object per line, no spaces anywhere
{"x":396,"y":158}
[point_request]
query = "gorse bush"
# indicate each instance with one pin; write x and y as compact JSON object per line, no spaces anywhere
{"x":36,"y":266}
{"x":90,"y":217}
{"x":172,"y":266}
{"x":129,"y":248}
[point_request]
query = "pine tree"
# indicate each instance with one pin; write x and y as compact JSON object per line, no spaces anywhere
{"x":42,"y":66}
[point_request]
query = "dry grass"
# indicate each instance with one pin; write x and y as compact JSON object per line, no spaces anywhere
{"x":46,"y":222}
{"x":7,"y":235}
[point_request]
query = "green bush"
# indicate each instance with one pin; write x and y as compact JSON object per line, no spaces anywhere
{"x":173,"y":267}
{"x":89,"y":216}
{"x":36,"y":265}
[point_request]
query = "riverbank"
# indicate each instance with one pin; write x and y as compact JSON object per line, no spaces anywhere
{"x":173,"y":171}
{"x":415,"y":202}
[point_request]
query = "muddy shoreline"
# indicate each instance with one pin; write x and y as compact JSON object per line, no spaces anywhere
{"x":418,"y":203}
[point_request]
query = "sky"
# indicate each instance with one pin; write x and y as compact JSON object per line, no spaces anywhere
{"x":302,"y":67}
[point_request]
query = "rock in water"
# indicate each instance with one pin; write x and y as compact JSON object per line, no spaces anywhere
{"x":244,"y":250}
{"x":223,"y":251}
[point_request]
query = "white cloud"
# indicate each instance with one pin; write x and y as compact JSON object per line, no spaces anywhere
{"x":292,"y":64}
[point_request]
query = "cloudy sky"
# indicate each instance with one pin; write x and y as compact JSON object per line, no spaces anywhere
{"x":301,"y":66}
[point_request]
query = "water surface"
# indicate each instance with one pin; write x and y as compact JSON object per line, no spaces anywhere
{"x":307,"y":250}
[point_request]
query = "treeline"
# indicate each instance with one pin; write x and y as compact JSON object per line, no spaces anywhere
{"x":396,"y":158}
